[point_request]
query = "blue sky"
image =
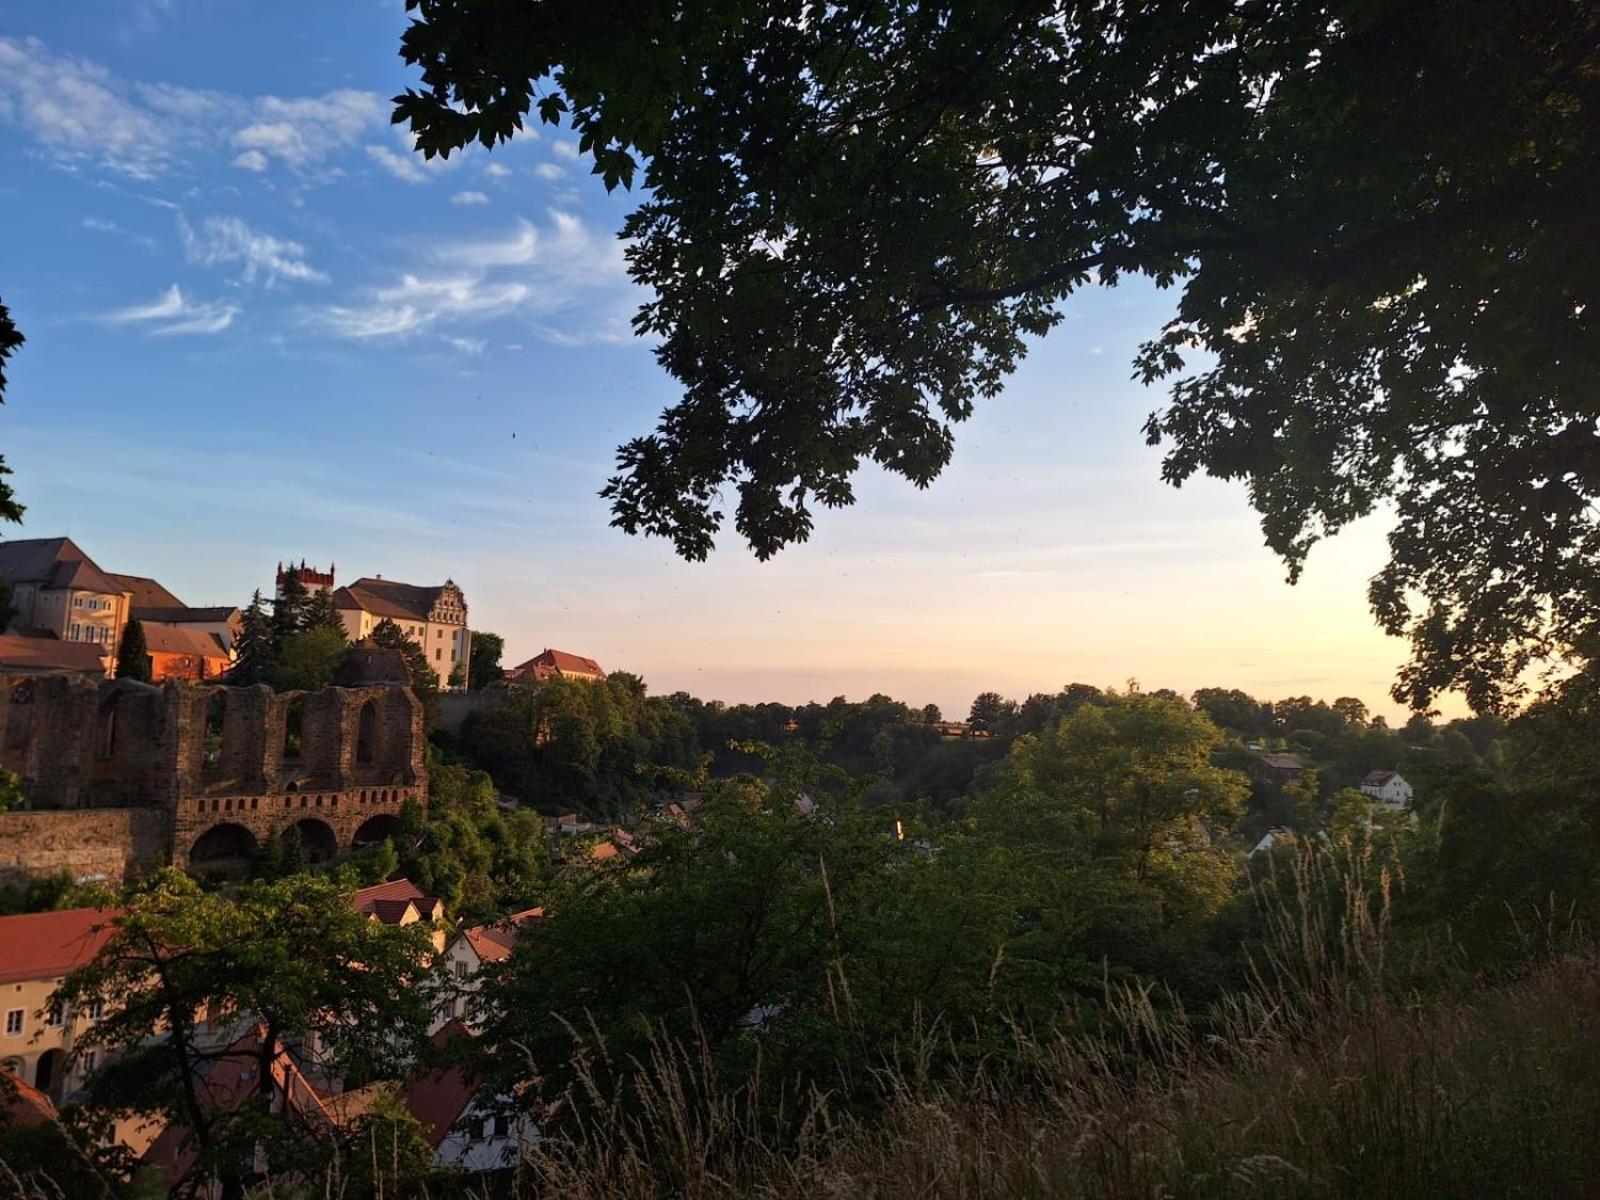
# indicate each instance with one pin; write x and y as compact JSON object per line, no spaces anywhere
{"x":260,"y":327}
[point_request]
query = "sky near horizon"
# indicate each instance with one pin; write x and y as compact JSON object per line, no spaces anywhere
{"x":260,"y":328}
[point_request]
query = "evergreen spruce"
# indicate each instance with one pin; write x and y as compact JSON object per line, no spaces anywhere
{"x":320,"y":612}
{"x":289,"y":609}
{"x":133,"y":657}
{"x":256,"y":647}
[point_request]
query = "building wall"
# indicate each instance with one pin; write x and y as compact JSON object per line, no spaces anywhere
{"x":40,"y":1035}
{"x":165,"y":665}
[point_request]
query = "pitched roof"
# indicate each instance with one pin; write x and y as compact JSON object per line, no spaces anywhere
{"x":174,"y":639}
{"x":182,"y":615}
{"x":54,"y":563}
{"x":437,"y":1098}
{"x":1379,"y":778}
{"x":145,"y":592}
{"x":49,"y":944}
{"x":388,"y":598}
{"x":395,"y":889}
{"x":556,"y":662}
{"x":22,"y":655}
{"x":1282,"y":762}
{"x":389,"y":902}
{"x":490,"y":943}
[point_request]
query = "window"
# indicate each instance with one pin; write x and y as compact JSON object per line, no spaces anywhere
{"x":502,"y":1125}
{"x":475,"y":1129}
{"x":438,"y":655}
{"x":438,"y":633}
{"x":53,"y":1017}
{"x":14,"y":1022}
{"x":91,"y":1060}
{"x":94,"y":1011}
{"x":77,"y":602}
{"x":72,"y":635}
{"x":366,"y":733}
{"x":461,"y":970}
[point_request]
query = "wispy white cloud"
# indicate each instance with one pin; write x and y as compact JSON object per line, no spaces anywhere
{"x":80,"y":113}
{"x":565,"y":279}
{"x":397,"y":165}
{"x":468,"y":345}
{"x":230,"y":240}
{"x":172,"y":313}
{"x":469,"y":198}
{"x":549,"y":170}
{"x":564,"y":149}
{"x":496,"y":170}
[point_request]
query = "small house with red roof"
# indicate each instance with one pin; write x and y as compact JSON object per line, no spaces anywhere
{"x":556,"y":664}
{"x":467,"y":1133}
{"x":37,"y":951}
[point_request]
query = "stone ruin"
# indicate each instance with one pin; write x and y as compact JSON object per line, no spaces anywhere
{"x":121,"y":777}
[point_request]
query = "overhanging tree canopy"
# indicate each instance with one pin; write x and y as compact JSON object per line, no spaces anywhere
{"x":1377,"y":214}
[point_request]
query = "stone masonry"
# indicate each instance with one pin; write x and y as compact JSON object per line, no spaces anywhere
{"x":187,"y":774}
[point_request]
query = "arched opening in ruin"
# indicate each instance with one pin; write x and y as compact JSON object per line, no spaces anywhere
{"x":19,"y":720}
{"x":106,"y":728}
{"x":294,"y":716}
{"x":47,"y":1071}
{"x":317,"y":837}
{"x":216,"y":723}
{"x":375,"y":830}
{"x":224,"y":845}
{"x":366,"y":733}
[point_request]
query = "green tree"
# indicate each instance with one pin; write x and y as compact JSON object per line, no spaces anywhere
{"x":1137,"y":769}
{"x":320,"y":612}
{"x":484,"y":667}
{"x":989,"y":709}
{"x":289,"y":606}
{"x":424,"y":681}
{"x":278,"y":955}
{"x":255,"y":653}
{"x":133,"y":656}
{"x":1369,"y":311}
{"x":309,"y":660}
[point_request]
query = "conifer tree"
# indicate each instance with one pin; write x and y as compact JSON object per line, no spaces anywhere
{"x":256,"y":653}
{"x":289,"y":609}
{"x":320,"y":612}
{"x":133,"y":656}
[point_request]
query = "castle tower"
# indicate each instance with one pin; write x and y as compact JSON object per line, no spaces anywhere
{"x":314,"y":580}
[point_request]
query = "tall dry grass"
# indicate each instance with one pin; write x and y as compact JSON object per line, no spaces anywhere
{"x":1321,"y":1079}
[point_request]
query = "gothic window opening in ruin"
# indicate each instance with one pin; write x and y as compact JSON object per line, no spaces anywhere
{"x":366,"y":732}
{"x":216,"y":719}
{"x":293,"y":723}
{"x":19,"y":721}
{"x":106,"y":742}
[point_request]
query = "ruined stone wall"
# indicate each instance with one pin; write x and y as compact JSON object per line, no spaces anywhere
{"x":197,"y":757}
{"x":115,"y":844}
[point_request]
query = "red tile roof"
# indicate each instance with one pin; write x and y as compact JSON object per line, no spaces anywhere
{"x":395,"y":889}
{"x":174,"y":639}
{"x":48,"y":945}
{"x":388,"y":902}
{"x":20,"y":655}
{"x":437,"y":1098}
{"x":145,"y":592}
{"x":557,"y":663}
{"x":21,"y":1104}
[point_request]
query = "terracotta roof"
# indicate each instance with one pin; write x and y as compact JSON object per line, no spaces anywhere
{"x":395,"y":889}
{"x":388,"y":598}
{"x":20,"y":655}
{"x":439,"y":1097}
{"x":145,"y":592}
{"x":54,"y":563}
{"x":490,"y":943}
{"x":49,"y":944}
{"x":21,"y":1104}
{"x":556,"y":663}
{"x":174,"y":639}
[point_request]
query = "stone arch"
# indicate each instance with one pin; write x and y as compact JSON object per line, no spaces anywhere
{"x":223,"y":844}
{"x":375,"y":829}
{"x":319,"y":840}
{"x":367,"y":733}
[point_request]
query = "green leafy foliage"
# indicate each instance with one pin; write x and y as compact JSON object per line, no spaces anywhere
{"x":424,"y":683}
{"x":279,"y":956}
{"x":310,"y":659}
{"x":855,"y":216}
{"x":11,"y":340}
{"x":485,"y":667}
